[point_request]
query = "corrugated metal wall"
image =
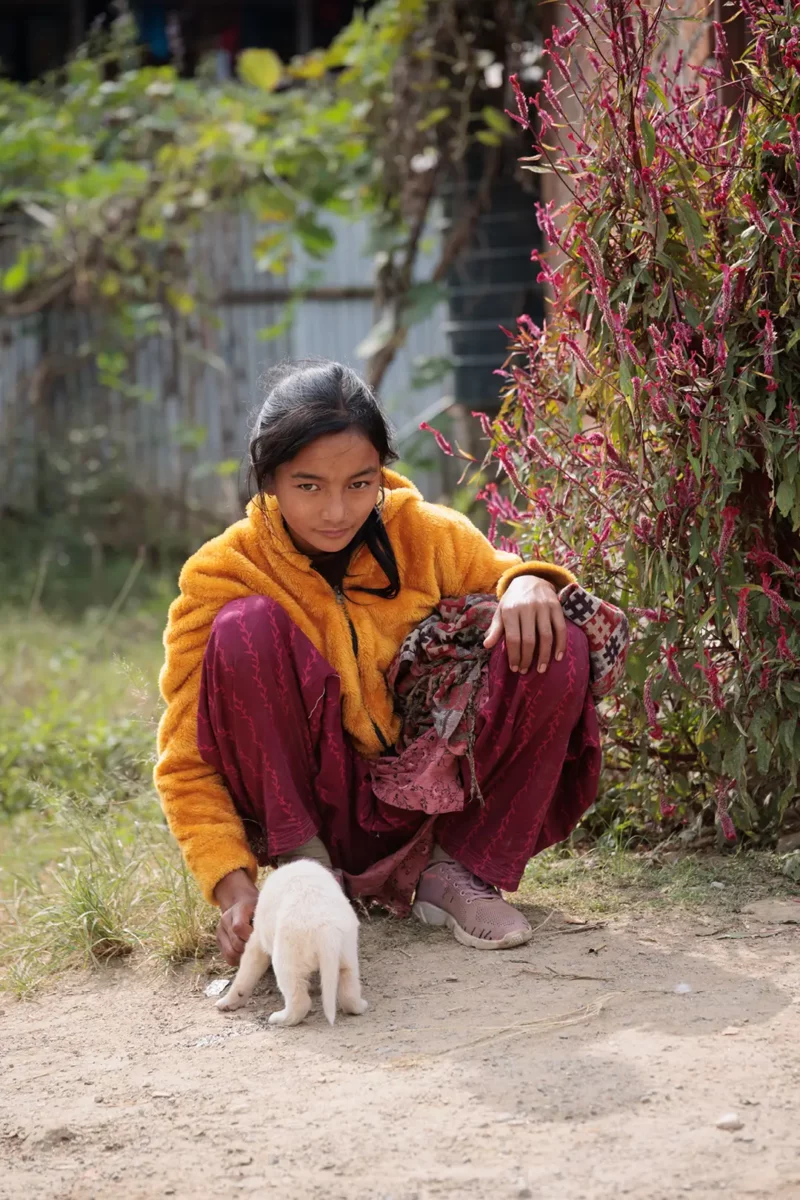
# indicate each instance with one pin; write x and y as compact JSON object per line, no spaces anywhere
{"x":198,"y":402}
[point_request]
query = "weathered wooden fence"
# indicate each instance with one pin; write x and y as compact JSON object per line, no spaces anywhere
{"x":191,"y":399}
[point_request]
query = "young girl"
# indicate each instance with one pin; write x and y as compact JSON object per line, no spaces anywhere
{"x":279,"y":716}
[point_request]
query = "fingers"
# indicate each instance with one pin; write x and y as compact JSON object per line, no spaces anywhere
{"x":544,"y":627}
{"x":225,"y":947}
{"x":495,"y":631}
{"x":232,"y":932}
{"x":240,"y":926}
{"x":528,"y":643}
{"x":513,"y":632}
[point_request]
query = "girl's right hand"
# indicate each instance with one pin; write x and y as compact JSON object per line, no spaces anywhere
{"x":237,"y":897}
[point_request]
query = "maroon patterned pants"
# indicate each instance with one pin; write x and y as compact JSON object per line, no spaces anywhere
{"x":269,"y":722}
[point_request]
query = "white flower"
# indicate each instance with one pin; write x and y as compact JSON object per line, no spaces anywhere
{"x":240,"y":133}
{"x":159,"y":87}
{"x":493,"y":75}
{"x":198,"y":198}
{"x":426,"y":161}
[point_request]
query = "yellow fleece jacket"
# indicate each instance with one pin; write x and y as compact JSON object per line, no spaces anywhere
{"x":439,"y":553}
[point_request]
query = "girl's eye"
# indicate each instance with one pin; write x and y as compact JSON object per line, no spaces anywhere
{"x":308,"y":487}
{"x":360,"y":485}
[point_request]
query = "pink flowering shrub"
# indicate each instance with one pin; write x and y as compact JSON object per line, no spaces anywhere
{"x":649,"y":432}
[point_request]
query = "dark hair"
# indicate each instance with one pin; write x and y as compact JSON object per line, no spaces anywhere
{"x":306,"y":400}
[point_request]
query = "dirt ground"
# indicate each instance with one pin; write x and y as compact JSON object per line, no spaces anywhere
{"x":571,"y":1069}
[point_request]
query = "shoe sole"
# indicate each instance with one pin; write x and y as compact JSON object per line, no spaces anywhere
{"x":429,"y":914}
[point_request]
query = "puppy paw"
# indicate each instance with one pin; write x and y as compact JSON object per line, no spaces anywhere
{"x":359,"y":1007}
{"x":231,"y":1001}
{"x":278,"y":1018}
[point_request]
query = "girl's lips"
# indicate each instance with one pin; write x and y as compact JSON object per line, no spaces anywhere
{"x":333,"y":533}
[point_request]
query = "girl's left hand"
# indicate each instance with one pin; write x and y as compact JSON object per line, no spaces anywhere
{"x":531,"y":619}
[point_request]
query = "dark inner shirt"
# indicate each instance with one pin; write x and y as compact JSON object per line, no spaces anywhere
{"x":333,"y":566}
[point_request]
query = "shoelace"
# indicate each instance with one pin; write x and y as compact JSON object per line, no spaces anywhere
{"x":471,"y":886}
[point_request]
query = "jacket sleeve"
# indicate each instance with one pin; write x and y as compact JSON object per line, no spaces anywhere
{"x":467,"y":562}
{"x":196,"y":803}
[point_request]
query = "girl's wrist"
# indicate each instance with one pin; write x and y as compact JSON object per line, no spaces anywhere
{"x":233,"y":887}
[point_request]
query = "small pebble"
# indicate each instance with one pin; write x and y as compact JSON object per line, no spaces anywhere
{"x":682,"y":989}
{"x":716,"y":884}
{"x":730,"y":1122}
{"x":731,"y":1031}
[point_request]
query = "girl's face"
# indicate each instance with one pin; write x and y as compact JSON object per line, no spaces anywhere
{"x":328,"y":490}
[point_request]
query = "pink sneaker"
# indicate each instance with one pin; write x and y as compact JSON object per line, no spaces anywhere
{"x":448,"y":894}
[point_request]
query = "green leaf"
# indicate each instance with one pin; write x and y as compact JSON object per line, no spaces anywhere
{"x":422,"y":299}
{"x":734,"y":759}
{"x":487,"y":138}
{"x":657,"y":93}
{"x":16,"y":277}
{"x":764,"y":750}
{"x":434,"y":117}
{"x":649,"y":135}
{"x":784,"y":498}
{"x":625,"y":376}
{"x":260,"y":68}
{"x":317,"y":239}
{"x":429,"y":370}
{"x":691,"y":224}
{"x":378,"y":337}
{"x":496,"y":121}
{"x":228,"y":466}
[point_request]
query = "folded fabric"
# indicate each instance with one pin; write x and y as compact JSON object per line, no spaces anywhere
{"x":607,"y":632}
{"x":439,"y":679}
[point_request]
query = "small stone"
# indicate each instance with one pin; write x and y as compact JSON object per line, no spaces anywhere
{"x":451,"y":979}
{"x":161,"y":1095}
{"x":716,"y":884}
{"x":55,"y":1136}
{"x":730,"y":1122}
{"x":731,"y":1031}
{"x":99,"y":1100}
{"x":682,"y":989}
{"x":524,"y":1192}
{"x":645,"y":1100}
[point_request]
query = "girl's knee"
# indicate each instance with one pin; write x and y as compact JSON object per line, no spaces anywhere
{"x":252,"y":620}
{"x":576,"y":660}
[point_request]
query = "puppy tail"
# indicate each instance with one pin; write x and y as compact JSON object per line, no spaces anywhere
{"x":329,"y":949}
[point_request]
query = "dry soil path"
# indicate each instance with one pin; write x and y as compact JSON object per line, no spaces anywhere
{"x":568,"y":1070}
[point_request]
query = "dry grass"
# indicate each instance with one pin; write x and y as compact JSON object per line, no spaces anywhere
{"x":89,"y":872}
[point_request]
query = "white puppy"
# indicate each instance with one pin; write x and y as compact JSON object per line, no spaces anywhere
{"x":304,"y":923}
